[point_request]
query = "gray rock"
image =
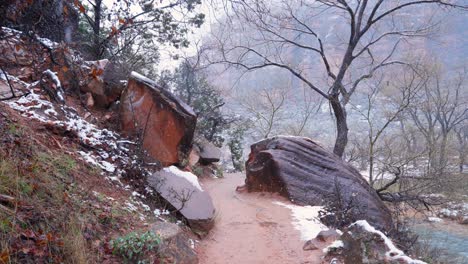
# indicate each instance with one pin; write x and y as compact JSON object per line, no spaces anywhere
{"x":209,"y":153}
{"x":362,"y":244}
{"x":327,"y":235}
{"x":463,"y":220}
{"x":311,"y":245}
{"x":176,"y":246}
{"x":194,"y":204}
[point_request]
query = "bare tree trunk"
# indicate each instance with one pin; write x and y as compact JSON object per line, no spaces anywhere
{"x":97,"y":29}
{"x":371,"y":164}
{"x":443,"y":154}
{"x":341,"y":126}
{"x":461,"y":149}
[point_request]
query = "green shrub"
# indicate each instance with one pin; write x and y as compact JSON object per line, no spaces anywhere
{"x":134,"y":246}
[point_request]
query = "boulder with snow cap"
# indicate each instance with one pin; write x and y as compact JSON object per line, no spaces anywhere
{"x":362,"y":243}
{"x":164,"y":123}
{"x":182,"y":190}
{"x":307,"y":174}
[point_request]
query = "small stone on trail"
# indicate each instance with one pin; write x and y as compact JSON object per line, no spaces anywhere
{"x":311,"y":245}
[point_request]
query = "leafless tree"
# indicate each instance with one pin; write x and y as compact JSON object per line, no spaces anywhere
{"x":461,"y":132}
{"x":267,"y":108}
{"x":401,"y":97}
{"x":259,"y":33}
{"x":441,"y":108}
{"x":306,"y":105}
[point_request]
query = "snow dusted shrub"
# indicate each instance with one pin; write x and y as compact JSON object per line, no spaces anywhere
{"x":236,"y":147}
{"x":338,"y":212}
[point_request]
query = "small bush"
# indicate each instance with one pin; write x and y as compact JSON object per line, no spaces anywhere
{"x":134,"y":246}
{"x":339,"y":212}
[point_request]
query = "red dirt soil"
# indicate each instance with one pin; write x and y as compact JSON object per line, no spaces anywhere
{"x":250,"y":228}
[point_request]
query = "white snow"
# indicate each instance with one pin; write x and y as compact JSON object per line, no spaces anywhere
{"x":184,"y":174}
{"x":306,"y":219}
{"x":394,"y":253}
{"x":56,"y":80}
{"x":91,"y":159}
{"x":48,"y":43}
{"x":131,"y":207}
{"x":448,"y":212}
{"x":142,"y":78}
{"x":31,"y":102}
{"x":102,"y":140}
{"x":10,"y":30}
{"x":158,"y":212}
{"x":153,"y":84}
{"x":335,"y":244}
{"x":192,"y":243}
{"x":434,"y":219}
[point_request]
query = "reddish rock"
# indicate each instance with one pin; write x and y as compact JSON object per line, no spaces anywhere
{"x":307,"y":174}
{"x":89,"y":101}
{"x":194,"y":156}
{"x":165,"y":123}
{"x":100,"y":82}
{"x":19,"y":87}
{"x":182,"y":190}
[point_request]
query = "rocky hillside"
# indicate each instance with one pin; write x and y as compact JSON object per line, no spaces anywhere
{"x":74,"y":189}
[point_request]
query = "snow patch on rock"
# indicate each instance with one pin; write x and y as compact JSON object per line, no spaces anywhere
{"x":434,"y":219}
{"x":186,"y":175}
{"x":335,"y":245}
{"x":394,"y":253}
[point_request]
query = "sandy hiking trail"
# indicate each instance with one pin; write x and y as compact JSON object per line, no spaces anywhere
{"x":250,"y":228}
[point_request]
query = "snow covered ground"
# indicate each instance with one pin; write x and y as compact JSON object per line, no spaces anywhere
{"x":306,"y":219}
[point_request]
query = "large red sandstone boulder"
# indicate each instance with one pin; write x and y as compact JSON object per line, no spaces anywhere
{"x":165,"y":123}
{"x":307,"y":174}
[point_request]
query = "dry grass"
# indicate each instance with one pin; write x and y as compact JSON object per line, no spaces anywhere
{"x":55,"y":215}
{"x":38,"y":224}
{"x":75,"y":247}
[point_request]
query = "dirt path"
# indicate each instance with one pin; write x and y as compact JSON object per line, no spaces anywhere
{"x":250,"y":228}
